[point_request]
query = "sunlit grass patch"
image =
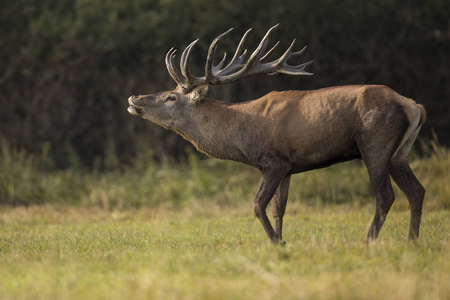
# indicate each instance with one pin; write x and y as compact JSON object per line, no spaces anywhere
{"x":89,"y":253}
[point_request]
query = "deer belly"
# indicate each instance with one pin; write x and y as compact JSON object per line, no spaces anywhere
{"x":322,"y":153}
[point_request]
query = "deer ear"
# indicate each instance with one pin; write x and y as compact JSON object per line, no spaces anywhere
{"x":198,"y":93}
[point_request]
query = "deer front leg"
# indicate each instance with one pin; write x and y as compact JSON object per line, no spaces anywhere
{"x":279,"y":205}
{"x":268,"y":184}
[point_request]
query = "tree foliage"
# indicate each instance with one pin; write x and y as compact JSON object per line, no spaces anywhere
{"x":67,"y":67}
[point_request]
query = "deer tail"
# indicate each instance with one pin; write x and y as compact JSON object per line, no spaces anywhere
{"x":423,"y":114}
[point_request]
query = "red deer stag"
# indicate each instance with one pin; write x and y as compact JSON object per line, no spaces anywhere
{"x":283,"y":133}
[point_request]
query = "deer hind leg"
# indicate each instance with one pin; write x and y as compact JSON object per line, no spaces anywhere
{"x":408,"y":183}
{"x":268,"y":185}
{"x":377,"y":161}
{"x":279,"y":205}
{"x":384,"y":197}
{"x":414,"y":191}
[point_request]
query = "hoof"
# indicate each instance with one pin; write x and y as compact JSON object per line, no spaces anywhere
{"x":278,"y":242}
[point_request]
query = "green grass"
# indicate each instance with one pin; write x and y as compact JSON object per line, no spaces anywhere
{"x":205,"y":252}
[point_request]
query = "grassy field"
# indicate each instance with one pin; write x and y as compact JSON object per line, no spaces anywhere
{"x":188,"y":231}
{"x":50,"y":252}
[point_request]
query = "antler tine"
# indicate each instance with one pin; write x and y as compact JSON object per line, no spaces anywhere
{"x":173,"y":72}
{"x":263,"y":49}
{"x":239,"y":48}
{"x":236,"y":62}
{"x":219,"y":66}
{"x":209,"y":76}
{"x":243,"y":55}
{"x":287,"y":54}
{"x":292,"y":70}
{"x":257,"y":53}
{"x":299,"y":52}
{"x":295,"y":70}
{"x":269,"y":52}
{"x":299,"y":69}
{"x":184,"y":60}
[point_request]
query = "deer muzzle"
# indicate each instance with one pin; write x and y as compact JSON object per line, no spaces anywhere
{"x":133,"y":109}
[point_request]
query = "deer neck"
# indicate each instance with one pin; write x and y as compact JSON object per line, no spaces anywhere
{"x":212,"y":127}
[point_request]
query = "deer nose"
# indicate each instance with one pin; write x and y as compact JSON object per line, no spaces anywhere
{"x":132,"y":98}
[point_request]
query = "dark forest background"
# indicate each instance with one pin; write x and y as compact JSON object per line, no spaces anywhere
{"x":68,"y":67}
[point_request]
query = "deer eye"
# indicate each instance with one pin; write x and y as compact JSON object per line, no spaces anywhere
{"x":171,"y":98}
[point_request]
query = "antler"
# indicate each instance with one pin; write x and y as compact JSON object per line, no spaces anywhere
{"x":236,"y":68}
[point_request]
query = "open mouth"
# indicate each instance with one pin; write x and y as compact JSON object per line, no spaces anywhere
{"x":133,"y":109}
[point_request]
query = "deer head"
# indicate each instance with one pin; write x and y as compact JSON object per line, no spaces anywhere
{"x":165,"y":107}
